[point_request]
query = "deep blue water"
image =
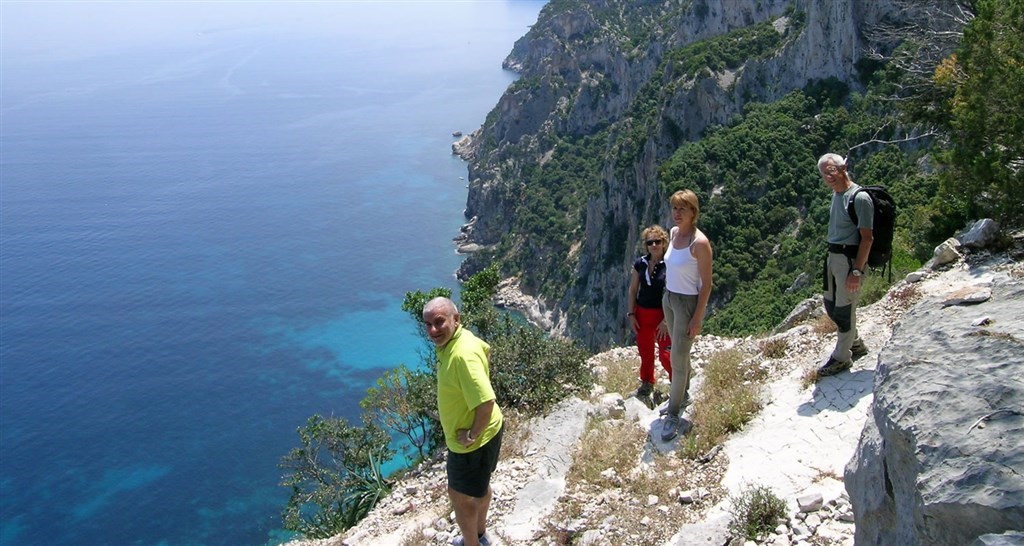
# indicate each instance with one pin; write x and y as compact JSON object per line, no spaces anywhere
{"x":209,"y":216}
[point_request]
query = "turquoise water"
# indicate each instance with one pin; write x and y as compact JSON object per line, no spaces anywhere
{"x":209,"y":216}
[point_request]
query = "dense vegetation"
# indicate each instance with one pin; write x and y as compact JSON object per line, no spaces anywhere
{"x":766,"y":208}
{"x":946,"y":139}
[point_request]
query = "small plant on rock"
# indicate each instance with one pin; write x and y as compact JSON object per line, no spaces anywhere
{"x":774,"y":347}
{"x":823,"y":325}
{"x":620,"y":375}
{"x":756,"y":511}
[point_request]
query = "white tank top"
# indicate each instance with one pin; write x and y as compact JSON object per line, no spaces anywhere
{"x":682,"y":275}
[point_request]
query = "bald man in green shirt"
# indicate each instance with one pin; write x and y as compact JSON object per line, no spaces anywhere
{"x":471,"y":420}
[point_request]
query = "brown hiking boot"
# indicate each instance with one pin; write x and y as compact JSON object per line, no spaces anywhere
{"x":833,"y":366}
{"x":859,"y":349}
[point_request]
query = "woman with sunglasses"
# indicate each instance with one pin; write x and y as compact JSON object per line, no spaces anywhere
{"x":687,"y":290}
{"x":645,"y":316}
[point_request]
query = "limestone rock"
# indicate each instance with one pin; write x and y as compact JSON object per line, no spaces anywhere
{"x":979,"y":234}
{"x":947,"y":252}
{"x":923,"y":474}
{"x":968,"y":295}
{"x":807,"y":309}
{"x":1010,"y":538}
{"x":463,"y":148}
{"x":810,"y":502}
{"x":916,"y":276}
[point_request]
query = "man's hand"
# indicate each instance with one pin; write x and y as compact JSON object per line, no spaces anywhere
{"x":463,"y":436}
{"x":852,"y":283}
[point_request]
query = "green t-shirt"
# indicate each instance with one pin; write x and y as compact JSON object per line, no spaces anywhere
{"x":463,"y":383}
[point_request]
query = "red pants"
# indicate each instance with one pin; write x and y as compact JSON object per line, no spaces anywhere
{"x":647,"y":321}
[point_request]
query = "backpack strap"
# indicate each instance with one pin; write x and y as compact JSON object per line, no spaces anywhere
{"x":851,"y":210}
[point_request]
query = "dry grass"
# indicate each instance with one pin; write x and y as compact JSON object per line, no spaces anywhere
{"x":516,"y":436}
{"x":823,"y":325}
{"x":821,"y":474}
{"x":616,"y":446}
{"x":608,"y":482}
{"x":774,"y":348}
{"x":621,"y":375}
{"x":809,"y":378}
{"x":729,"y":398}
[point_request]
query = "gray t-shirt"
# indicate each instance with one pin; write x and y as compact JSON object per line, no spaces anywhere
{"x":841,"y":230}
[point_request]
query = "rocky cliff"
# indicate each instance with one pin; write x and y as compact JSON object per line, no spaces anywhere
{"x":590,"y":66}
{"x":941,"y":460}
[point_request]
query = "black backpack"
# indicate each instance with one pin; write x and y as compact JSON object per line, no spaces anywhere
{"x":884,"y":225}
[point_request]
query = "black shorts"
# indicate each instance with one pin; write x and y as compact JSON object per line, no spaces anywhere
{"x":470,"y":473}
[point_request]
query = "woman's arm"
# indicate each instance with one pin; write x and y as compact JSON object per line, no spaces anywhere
{"x":634,"y":286}
{"x":701,"y":251}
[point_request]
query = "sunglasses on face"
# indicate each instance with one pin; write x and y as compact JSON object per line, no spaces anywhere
{"x":831,"y":169}
{"x":653,"y":242}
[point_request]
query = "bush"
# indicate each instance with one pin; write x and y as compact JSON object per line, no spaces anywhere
{"x":402,"y":402}
{"x":334,"y":476}
{"x":756,"y":512}
{"x":531,"y":371}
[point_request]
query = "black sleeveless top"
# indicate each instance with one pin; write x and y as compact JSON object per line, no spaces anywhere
{"x":651,"y":286}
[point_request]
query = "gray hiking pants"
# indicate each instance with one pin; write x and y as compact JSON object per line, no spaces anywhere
{"x":679,"y":309}
{"x":841,"y":304}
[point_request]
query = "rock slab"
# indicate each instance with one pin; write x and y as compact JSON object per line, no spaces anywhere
{"x":941,"y":460}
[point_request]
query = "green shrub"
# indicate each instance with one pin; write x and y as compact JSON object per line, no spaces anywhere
{"x":334,"y":476}
{"x":531,"y":371}
{"x":402,"y":402}
{"x":756,"y":512}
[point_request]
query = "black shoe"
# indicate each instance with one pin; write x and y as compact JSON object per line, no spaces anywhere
{"x":859,"y":349}
{"x":833,"y":366}
{"x":643,"y":394}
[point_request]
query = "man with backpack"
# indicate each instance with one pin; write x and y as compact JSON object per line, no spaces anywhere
{"x":849,"y":245}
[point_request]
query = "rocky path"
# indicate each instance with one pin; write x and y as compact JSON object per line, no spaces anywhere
{"x":798,"y":446}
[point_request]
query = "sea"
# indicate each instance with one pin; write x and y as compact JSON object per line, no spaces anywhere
{"x":210,"y":213}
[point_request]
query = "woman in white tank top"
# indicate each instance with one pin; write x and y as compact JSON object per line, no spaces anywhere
{"x":688,"y":259}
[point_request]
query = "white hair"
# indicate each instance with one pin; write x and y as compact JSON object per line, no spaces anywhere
{"x":441,"y":304}
{"x":836,"y":159}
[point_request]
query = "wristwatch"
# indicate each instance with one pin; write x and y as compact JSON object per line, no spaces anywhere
{"x":856,"y":272}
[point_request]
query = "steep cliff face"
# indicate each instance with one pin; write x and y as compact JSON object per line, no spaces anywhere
{"x":588,"y":67}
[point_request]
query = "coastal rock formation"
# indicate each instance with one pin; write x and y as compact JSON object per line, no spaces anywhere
{"x":941,"y":461}
{"x":582,"y":69}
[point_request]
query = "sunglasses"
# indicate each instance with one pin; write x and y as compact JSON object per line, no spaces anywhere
{"x":654,"y":242}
